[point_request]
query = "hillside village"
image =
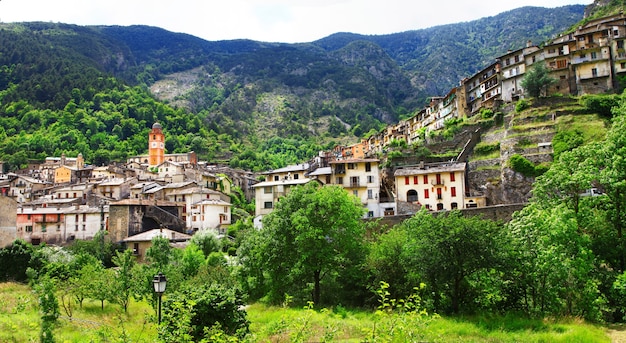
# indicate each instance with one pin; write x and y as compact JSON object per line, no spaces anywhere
{"x":63,"y":199}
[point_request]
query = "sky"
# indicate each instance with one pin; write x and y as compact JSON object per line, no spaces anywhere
{"x":284,"y":21}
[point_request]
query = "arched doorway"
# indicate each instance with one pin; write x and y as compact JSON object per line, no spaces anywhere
{"x":411,"y":195}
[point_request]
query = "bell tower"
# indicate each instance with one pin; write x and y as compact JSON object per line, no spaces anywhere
{"x":156,"y":145}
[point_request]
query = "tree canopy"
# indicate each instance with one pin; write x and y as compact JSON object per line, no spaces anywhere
{"x":537,"y":80}
{"x":314,"y":239}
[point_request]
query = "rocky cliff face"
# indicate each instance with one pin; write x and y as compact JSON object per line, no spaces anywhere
{"x":590,"y":9}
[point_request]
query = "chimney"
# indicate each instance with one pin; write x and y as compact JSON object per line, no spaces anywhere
{"x":529,"y":43}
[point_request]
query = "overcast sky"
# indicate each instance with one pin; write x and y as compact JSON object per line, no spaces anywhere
{"x":285,"y":21}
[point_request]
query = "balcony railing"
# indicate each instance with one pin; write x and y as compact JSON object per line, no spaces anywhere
{"x":437,"y":182}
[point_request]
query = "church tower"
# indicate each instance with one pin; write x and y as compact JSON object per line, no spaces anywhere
{"x":156,"y":145}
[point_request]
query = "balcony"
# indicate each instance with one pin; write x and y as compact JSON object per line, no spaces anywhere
{"x":339,"y":170}
{"x":437,"y":182}
{"x":356,"y":184}
{"x":579,"y":60}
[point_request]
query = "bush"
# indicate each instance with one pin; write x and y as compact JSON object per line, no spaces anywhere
{"x":602,"y":104}
{"x":566,"y":141}
{"x":189,"y":311}
{"x":522,"y":165}
{"x":521,"y":105}
{"x":486,"y":113}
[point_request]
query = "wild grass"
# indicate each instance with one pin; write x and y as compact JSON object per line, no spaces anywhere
{"x":592,"y":126}
{"x":19,"y":322}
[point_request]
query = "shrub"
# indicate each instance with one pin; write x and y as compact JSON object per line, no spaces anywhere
{"x":486,"y":113}
{"x":521,"y":105}
{"x":602,"y":104}
{"x":194,"y":308}
{"x":566,"y":141}
{"x":522,"y":165}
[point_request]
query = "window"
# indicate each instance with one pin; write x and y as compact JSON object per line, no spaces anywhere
{"x":438,"y":178}
{"x":517,"y":58}
{"x":370,"y":214}
{"x":135,"y":248}
{"x":296,"y":176}
{"x":406,"y":180}
{"x":620,"y":44}
{"x":43,"y":228}
{"x":594,"y":55}
{"x":454,"y":205}
{"x":268,"y":204}
{"x":28,"y":216}
{"x":508,"y":61}
{"x":415,"y":180}
{"x":452,"y":177}
{"x":368,"y":167}
{"x":29,"y":228}
{"x":276,"y":178}
{"x":439,"y":207}
{"x":425,"y":179}
{"x":339,"y":180}
{"x":351,"y":165}
{"x":411,"y":196}
{"x":370,"y":194}
{"x":370,"y":179}
{"x":594,"y":72}
{"x":561,"y":64}
{"x":267,"y":190}
{"x":453,"y":191}
{"x":426,"y":195}
{"x":439,"y":195}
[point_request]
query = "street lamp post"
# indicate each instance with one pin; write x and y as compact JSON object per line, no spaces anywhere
{"x":159,"y":282}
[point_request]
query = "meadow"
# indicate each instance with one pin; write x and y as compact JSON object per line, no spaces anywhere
{"x":20,"y":322}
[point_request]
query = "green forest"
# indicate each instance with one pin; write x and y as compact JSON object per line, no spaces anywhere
{"x":257,"y":106}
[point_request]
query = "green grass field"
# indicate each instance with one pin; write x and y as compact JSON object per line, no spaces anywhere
{"x":20,"y":322}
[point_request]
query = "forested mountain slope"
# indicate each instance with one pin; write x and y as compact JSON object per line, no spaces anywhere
{"x":68,"y":88}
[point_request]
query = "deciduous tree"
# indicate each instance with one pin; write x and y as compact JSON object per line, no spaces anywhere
{"x":314,"y":234}
{"x":537,"y":80}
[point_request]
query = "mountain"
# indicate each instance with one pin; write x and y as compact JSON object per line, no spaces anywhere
{"x":257,"y":105}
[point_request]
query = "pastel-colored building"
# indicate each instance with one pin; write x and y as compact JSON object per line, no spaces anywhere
{"x":437,"y":187}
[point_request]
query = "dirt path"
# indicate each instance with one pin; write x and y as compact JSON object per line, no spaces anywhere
{"x":617,"y":333}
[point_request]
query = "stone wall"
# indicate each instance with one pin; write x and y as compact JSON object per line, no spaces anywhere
{"x":8,"y":221}
{"x":500,"y":213}
{"x":118,"y":222}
